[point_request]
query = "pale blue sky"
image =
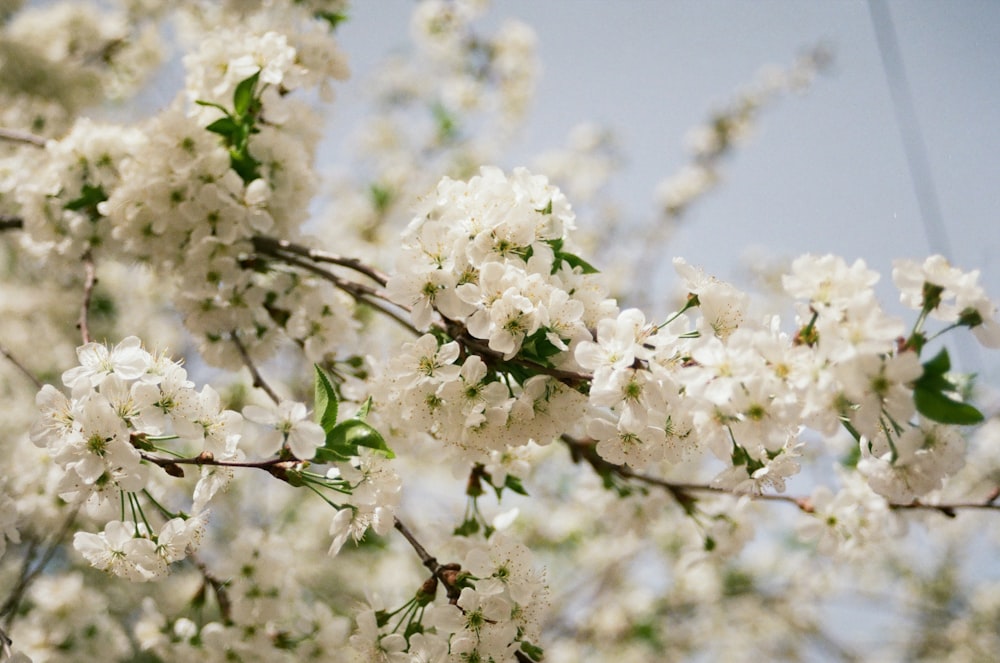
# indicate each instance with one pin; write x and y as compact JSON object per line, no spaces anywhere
{"x":824,"y":172}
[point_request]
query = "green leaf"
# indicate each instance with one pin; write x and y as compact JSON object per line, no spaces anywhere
{"x":244,"y":165}
{"x":538,"y":348}
{"x":325,"y":401}
{"x":573,"y":260}
{"x":224,"y":126}
{"x":930,"y":395}
{"x":89,"y":198}
{"x":938,"y":407}
{"x":515,"y":484}
{"x":332,"y":18}
{"x":212,"y":104}
{"x":365,"y":408}
{"x":324,"y":456}
{"x":534,"y":652}
{"x":939,"y":365}
{"x":244,"y":94}
{"x":447,"y":128}
{"x":381,"y":197}
{"x":467,"y":528}
{"x":345,"y":438}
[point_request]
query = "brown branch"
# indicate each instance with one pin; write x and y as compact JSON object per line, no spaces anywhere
{"x":27,"y":138}
{"x":218,"y":587}
{"x":455,"y":329}
{"x":360,"y":293}
{"x":428,"y":560}
{"x":10,"y":222}
{"x":28,"y":575}
{"x":89,"y":281}
{"x":586,"y":450}
{"x":278,"y":248}
{"x":446,"y":573}
{"x":21,"y":367}
{"x":276,"y":467}
{"x":460,"y":333}
{"x":258,"y":380}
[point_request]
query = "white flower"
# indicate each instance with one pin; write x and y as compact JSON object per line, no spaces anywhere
{"x":100,"y":447}
{"x":721,"y":305}
{"x":423,"y":361}
{"x":290,"y":425}
{"x":875,"y":385}
{"x":340,"y":530}
{"x":120,"y":550}
{"x":828,"y":282}
{"x":615,"y":348}
{"x":127,"y":360}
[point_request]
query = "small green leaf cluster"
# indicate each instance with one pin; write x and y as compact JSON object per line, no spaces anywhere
{"x":473,"y":521}
{"x":343,"y":439}
{"x":933,"y":394}
{"x":237,"y":126}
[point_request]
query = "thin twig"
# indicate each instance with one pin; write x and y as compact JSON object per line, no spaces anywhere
{"x":350,"y":287}
{"x":89,"y":281}
{"x":219,"y":587}
{"x":586,"y":451}
{"x":277,"y":248}
{"x":206,"y":458}
{"x":457,"y":330}
{"x":10,"y":606}
{"x":448,"y":574}
{"x":276,"y":467}
{"x":10,"y":222}
{"x":460,"y":333}
{"x":426,"y":558}
{"x":21,"y":367}
{"x":17,"y":136}
{"x":258,"y":380}
{"x":360,"y":293}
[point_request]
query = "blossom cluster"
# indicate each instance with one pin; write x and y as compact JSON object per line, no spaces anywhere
{"x":122,"y":399}
{"x":129,"y":407}
{"x":497,"y":605}
{"x":747,"y":390}
{"x":512,"y":342}
{"x":65,"y":56}
{"x":187,"y":192}
{"x":492,"y":256}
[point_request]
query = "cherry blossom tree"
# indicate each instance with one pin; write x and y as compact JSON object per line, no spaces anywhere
{"x":420,"y":422}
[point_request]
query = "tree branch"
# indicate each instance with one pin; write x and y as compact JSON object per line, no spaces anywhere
{"x":10,"y":222}
{"x":258,"y":380}
{"x":17,"y":136}
{"x":446,"y":573}
{"x":426,"y":558}
{"x":278,"y":248}
{"x":274,"y":466}
{"x":218,"y":587}
{"x":27,"y":575}
{"x":378,"y":300}
{"x":89,"y":280}
{"x":587,"y":451}
{"x":21,"y":367}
